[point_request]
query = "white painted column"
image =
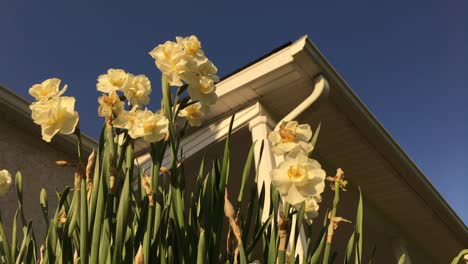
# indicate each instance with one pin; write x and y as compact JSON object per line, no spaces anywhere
{"x":260,"y":127}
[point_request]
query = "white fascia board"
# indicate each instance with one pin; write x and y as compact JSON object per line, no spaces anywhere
{"x":210,"y":134}
{"x":261,"y":68}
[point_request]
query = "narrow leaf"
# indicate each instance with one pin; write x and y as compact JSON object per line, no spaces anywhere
{"x":245,"y":175}
{"x":402,"y":259}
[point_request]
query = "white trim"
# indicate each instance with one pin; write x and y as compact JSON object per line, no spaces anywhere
{"x":263,"y":67}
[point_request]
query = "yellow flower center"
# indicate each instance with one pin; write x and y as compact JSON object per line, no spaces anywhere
{"x":296,"y":173}
{"x":287,"y":135}
{"x":193,"y":112}
{"x":192,"y":49}
{"x":206,"y":87}
{"x":108,"y":100}
{"x":149,"y":126}
{"x":118,"y":82}
{"x":44,"y":92}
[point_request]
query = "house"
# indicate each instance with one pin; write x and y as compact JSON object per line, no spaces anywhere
{"x":404,"y":213}
{"x":21,"y":149}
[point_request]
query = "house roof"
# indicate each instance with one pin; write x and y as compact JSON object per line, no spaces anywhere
{"x":15,"y":109}
{"x":351,"y":137}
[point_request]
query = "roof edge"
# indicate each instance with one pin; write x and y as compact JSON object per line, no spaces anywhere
{"x":415,"y":178}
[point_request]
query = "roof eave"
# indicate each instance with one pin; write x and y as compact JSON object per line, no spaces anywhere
{"x":20,"y":106}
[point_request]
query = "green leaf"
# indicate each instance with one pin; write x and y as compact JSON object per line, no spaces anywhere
{"x":402,"y":259}
{"x":358,"y":229}
{"x":456,"y":260}
{"x":5,"y":245}
{"x":123,"y":210}
{"x":100,"y":185}
{"x":316,"y":134}
{"x":14,"y":236}
{"x":224,"y":167}
{"x":242,"y":257}
{"x":19,"y":192}
{"x":104,"y":247}
{"x":250,"y":213}
{"x":349,"y":249}
{"x":73,"y":214}
{"x":51,"y":243}
{"x":258,"y":235}
{"x":299,"y":222}
{"x":26,"y":238}
{"x":83,"y":223}
{"x":201,"y":253}
{"x":317,"y":249}
{"x":31,"y":252}
{"x":272,"y":250}
{"x":245,"y":175}
{"x":96,"y":178}
{"x":19,"y":186}
{"x":44,"y":206}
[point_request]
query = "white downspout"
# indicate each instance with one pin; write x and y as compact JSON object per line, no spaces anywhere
{"x":321,"y":88}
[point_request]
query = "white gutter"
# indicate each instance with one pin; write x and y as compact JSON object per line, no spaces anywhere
{"x":321,"y":87}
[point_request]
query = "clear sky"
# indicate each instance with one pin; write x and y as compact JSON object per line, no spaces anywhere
{"x":407,"y":60}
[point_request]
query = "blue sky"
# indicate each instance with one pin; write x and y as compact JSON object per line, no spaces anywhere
{"x":407,"y":60}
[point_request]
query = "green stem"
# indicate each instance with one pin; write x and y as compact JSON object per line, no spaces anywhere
{"x":78,"y":143}
{"x":83,"y":204}
{"x":336,"y":200}
{"x":83,"y":223}
{"x":176,"y":193}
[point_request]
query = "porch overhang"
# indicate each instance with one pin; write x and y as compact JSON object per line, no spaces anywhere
{"x":351,"y":138}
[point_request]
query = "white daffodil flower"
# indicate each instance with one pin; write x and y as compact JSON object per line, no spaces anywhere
{"x":55,"y":115}
{"x":110,"y":105}
{"x":204,"y":91}
{"x":298,"y":178}
{"x":47,"y":89}
{"x":173,"y":62}
{"x":194,"y":114}
{"x":152,"y":127}
{"x":126,"y":119}
{"x":291,"y":136}
{"x":311,"y":208}
{"x":207,"y":69}
{"x":5,"y":182}
{"x":184,"y":62}
{"x":137,"y":89}
{"x":192,"y":46}
{"x":112,"y":81}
